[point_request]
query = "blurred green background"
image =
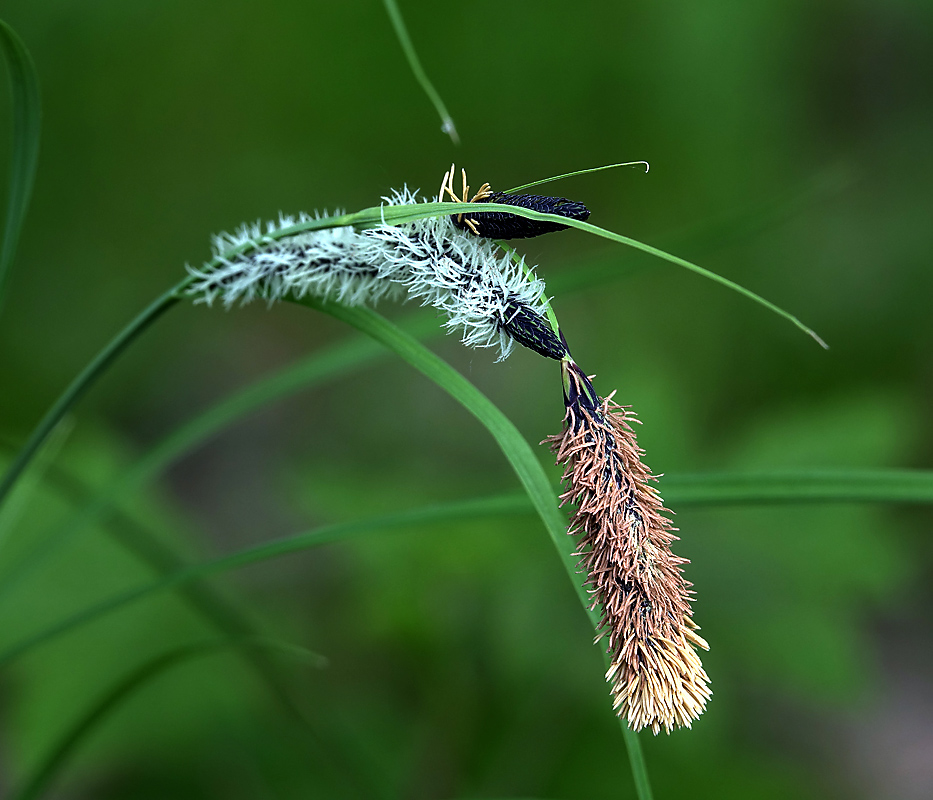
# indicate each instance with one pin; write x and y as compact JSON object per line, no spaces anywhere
{"x":790,"y":150}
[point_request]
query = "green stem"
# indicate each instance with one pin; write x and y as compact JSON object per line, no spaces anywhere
{"x":516,"y":450}
{"x":25,"y":134}
{"x":53,"y":761}
{"x":530,"y":275}
{"x":327,"y":534}
{"x":203,"y":598}
{"x":85,"y":380}
{"x":447,"y":123}
{"x":720,"y":489}
{"x":636,"y":759}
{"x":575,"y":173}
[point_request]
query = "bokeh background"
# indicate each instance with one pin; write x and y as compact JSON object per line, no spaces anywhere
{"x":790,"y":150}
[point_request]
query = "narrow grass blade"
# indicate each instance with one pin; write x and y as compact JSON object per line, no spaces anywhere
{"x":368,"y":217}
{"x":327,"y":534}
{"x":50,"y":766}
{"x":27,"y":125}
{"x":201,"y":596}
{"x":519,"y":454}
{"x":800,"y":486}
{"x":327,"y":364}
{"x":397,"y":215}
{"x":646,"y":248}
{"x":681,"y":262}
{"x":83,"y":382}
{"x":516,"y":449}
{"x":577,"y":172}
{"x":891,"y":486}
{"x":447,"y":123}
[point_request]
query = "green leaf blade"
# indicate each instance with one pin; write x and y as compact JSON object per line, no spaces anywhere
{"x":519,"y":454}
{"x":800,"y":486}
{"x":27,"y":126}
{"x":121,"y":691}
{"x":411,"y":55}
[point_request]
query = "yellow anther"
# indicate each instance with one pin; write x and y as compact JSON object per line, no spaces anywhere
{"x":447,"y":188}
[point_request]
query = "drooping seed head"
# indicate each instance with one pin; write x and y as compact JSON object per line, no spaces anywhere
{"x":656,"y":678}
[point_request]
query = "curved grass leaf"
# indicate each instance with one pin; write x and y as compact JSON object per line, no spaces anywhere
{"x":27,"y":124}
{"x":427,"y":209}
{"x":574,"y":174}
{"x":326,"y":364}
{"x":201,"y":596}
{"x":53,"y":762}
{"x":79,"y":386}
{"x":516,"y":449}
{"x":519,"y":454}
{"x":684,"y":490}
{"x":398,"y":215}
{"x":368,"y":217}
{"x":327,"y":534}
{"x":447,"y":123}
{"x":800,"y":486}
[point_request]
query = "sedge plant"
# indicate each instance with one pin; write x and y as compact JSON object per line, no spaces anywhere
{"x":407,"y":247}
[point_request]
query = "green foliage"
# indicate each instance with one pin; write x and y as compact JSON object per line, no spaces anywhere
{"x":27,"y":114}
{"x":789,"y":151}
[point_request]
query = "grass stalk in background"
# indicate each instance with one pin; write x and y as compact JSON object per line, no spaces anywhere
{"x":54,"y":761}
{"x":348,"y":356}
{"x":368,"y":217}
{"x":812,"y":486}
{"x":401,"y":32}
{"x":79,"y":386}
{"x":516,"y":449}
{"x":277,"y":548}
{"x":27,"y":124}
{"x":162,"y":559}
{"x":902,"y":486}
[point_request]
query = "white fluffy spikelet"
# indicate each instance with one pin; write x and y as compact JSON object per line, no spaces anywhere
{"x":483,"y":294}
{"x":467,"y":277}
{"x":325,"y":263}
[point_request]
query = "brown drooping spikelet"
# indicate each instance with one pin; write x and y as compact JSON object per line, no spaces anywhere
{"x":656,"y":676}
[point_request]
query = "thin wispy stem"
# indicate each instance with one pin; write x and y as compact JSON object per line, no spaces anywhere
{"x":27,"y":123}
{"x":447,"y":123}
{"x":85,"y":379}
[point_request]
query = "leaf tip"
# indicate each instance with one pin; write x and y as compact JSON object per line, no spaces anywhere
{"x":818,"y":338}
{"x":450,"y":129}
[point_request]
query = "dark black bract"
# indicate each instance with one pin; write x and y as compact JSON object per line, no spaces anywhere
{"x":502,"y":225}
{"x":533,"y":331}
